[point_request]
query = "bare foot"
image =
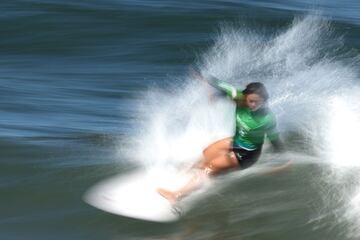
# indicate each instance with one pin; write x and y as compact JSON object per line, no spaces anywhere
{"x":170,"y":196}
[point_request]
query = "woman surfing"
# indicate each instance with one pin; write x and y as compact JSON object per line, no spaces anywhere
{"x":254,"y":121}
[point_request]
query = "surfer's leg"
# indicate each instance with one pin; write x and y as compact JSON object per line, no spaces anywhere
{"x":216,"y":149}
{"x":221,"y":163}
{"x":193,"y":184}
{"x":211,"y":168}
{"x":169,"y":195}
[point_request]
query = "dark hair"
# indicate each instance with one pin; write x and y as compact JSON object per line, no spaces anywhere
{"x":257,"y":88}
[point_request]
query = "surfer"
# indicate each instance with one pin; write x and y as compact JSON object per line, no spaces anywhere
{"x":254,"y":121}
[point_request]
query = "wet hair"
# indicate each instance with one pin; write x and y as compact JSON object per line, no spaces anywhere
{"x":256,"y":88}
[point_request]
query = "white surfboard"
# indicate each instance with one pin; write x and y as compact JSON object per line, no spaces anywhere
{"x":134,"y":195}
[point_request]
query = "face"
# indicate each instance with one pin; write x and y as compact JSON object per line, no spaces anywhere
{"x":254,"y":101}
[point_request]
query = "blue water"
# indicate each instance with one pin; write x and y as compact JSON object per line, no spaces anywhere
{"x":82,"y":81}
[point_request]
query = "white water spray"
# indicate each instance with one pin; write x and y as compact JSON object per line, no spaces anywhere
{"x":344,"y":131}
{"x":299,"y":65}
{"x":305,"y":71}
{"x":344,"y":156}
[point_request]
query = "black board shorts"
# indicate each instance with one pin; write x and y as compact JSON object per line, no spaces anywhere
{"x":245,"y":157}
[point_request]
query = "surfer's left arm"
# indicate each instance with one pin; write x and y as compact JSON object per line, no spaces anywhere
{"x":273,"y":135}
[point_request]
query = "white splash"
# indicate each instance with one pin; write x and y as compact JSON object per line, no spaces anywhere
{"x":296,"y":64}
{"x":344,"y":132}
{"x":312,"y":87}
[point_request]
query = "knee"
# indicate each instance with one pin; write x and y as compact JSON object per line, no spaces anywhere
{"x":205,"y":152}
{"x":204,"y":173}
{"x":205,"y":167}
{"x":208,"y":171}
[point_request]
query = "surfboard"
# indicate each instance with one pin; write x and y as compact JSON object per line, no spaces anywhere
{"x":135,"y":195}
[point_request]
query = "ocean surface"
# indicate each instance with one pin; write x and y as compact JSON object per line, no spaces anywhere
{"x":97,"y":88}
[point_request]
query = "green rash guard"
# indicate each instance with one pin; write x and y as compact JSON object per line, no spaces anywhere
{"x":251,"y":126}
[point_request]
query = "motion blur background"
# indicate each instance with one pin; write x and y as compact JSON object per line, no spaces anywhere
{"x":94,"y":88}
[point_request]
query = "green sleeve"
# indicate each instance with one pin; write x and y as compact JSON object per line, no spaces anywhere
{"x":271,"y":131}
{"x":273,"y":135}
{"x":228,"y":89}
